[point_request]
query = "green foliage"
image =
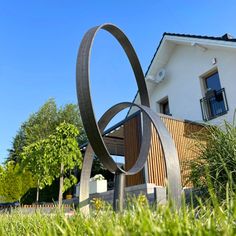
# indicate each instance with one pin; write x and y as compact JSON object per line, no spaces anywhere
{"x":34,"y":145}
{"x":45,"y":157}
{"x":62,"y":148}
{"x":71,"y":115}
{"x":43,"y":123}
{"x":14,"y":183}
{"x":17,"y":146}
{"x":142,"y":200}
{"x":215,"y":167}
{"x":98,"y":204}
{"x":33,"y":159}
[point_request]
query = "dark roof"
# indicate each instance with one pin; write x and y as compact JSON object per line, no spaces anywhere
{"x":225,"y":37}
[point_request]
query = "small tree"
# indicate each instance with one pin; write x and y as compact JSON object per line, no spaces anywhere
{"x":14,"y":183}
{"x":63,"y":154}
{"x":34,"y":160}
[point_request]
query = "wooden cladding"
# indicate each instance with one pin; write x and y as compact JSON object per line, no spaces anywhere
{"x":132,"y":138}
{"x":155,"y":161}
{"x":181,"y":132}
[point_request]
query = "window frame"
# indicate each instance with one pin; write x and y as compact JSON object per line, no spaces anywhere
{"x":208,"y":113}
{"x":161,"y":104}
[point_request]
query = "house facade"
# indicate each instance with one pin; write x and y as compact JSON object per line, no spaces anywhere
{"x":193,"y":77}
{"x":191,"y":80}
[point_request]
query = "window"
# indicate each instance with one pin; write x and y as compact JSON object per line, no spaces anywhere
{"x":214,"y":103}
{"x":212,"y":82}
{"x":164,"y":107}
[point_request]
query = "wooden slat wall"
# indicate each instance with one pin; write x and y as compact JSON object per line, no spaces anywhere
{"x":155,"y":161}
{"x":185,"y":144}
{"x":132,"y":136}
{"x":181,"y":133}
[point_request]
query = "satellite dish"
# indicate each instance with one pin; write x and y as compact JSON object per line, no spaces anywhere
{"x":160,"y":76}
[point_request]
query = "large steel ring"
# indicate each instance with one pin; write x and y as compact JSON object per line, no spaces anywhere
{"x":85,"y":103}
{"x":168,"y":146}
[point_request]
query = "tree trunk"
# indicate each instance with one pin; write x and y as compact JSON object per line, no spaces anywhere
{"x":61,"y":186}
{"x":37,"y":194}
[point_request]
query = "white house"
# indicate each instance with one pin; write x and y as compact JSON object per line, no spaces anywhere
{"x":190,"y":78}
{"x":194,"y":77}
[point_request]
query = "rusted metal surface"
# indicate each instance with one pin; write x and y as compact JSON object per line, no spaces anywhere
{"x":95,"y":130}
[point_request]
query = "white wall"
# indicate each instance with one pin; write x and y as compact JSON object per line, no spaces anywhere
{"x":182,"y":83}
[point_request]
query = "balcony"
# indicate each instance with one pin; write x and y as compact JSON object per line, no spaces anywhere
{"x":214,"y":104}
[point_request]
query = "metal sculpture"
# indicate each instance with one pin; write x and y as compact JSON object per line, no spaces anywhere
{"x":95,"y":130}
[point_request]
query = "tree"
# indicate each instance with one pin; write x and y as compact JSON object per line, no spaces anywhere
{"x":33,"y":159}
{"x":54,"y":157}
{"x":17,"y":146}
{"x":42,"y":124}
{"x":64,"y":155}
{"x":71,"y":115}
{"x":29,"y":142}
{"x":14,"y":183}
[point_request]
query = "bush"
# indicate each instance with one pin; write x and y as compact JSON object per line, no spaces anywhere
{"x":216,"y":165}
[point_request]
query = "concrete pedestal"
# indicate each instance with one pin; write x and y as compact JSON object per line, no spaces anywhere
{"x":151,"y":191}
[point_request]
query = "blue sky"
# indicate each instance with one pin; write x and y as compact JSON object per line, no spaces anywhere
{"x":39,"y":42}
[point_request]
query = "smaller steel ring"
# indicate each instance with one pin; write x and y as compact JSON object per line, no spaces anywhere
{"x":170,"y":155}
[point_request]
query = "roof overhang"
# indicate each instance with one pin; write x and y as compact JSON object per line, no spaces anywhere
{"x":167,"y":46}
{"x":169,"y":42}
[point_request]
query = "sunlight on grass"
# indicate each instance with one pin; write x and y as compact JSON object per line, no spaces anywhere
{"x":138,"y":219}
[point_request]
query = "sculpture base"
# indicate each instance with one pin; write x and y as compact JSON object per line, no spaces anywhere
{"x":151,"y":191}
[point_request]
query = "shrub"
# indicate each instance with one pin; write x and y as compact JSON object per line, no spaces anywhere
{"x":216,"y":165}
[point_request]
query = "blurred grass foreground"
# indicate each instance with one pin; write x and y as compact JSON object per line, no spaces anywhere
{"x":139,"y":218}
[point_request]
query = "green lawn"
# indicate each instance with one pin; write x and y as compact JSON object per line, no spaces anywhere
{"x":137,"y":219}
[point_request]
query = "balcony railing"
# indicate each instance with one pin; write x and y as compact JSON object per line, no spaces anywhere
{"x":214,"y":104}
